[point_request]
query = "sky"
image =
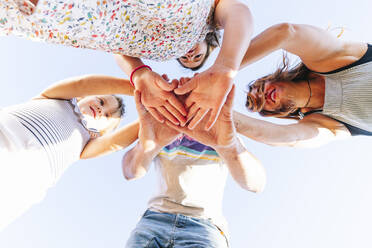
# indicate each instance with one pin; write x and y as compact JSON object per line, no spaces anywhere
{"x":313,"y":198}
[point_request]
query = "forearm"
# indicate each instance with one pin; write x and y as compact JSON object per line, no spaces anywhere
{"x":265,"y":132}
{"x":88,"y":85}
{"x":127,"y":63}
{"x":268,"y":41}
{"x":246,"y":170}
{"x":237,"y":23}
{"x":111,"y":142}
{"x":136,"y":162}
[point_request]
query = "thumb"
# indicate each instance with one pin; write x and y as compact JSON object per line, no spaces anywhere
{"x":140,"y":108}
{"x":186,"y":88}
{"x":164,"y":85}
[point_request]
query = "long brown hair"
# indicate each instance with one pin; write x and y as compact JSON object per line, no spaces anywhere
{"x":285,"y":72}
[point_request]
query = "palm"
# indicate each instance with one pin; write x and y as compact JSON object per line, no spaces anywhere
{"x":222,"y":134}
{"x":151,"y":132}
{"x":208,"y":93}
{"x":158,"y":98}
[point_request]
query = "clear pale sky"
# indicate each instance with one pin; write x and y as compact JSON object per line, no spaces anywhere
{"x":314,"y":197}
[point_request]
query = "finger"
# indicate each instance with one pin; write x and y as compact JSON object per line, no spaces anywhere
{"x":156,"y":114}
{"x":177,"y":104}
{"x":192,"y":111}
{"x":175,"y":83}
{"x":165,"y":77}
{"x":137,"y":99}
{"x":167,"y":115}
{"x":190,"y":100}
{"x":164,"y":85}
{"x":175,"y":127}
{"x":198,"y":117}
{"x":212,"y":119}
{"x":187,"y":87}
{"x":181,"y":119}
{"x":230,"y":97}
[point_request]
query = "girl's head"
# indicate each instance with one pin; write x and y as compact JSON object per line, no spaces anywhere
{"x":196,"y":57}
{"x":102,"y":112}
{"x":274,"y":94}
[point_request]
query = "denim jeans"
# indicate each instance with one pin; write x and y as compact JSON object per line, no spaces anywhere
{"x":165,"y":230}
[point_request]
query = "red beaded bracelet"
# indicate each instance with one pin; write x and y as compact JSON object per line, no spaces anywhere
{"x":136,"y":69}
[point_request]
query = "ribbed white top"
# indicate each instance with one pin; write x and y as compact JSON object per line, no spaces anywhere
{"x":57,"y":127}
{"x":348,"y":96}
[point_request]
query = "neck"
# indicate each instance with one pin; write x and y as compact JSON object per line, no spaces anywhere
{"x":315,"y":94}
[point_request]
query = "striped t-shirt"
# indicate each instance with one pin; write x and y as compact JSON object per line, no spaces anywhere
{"x":191,"y":181}
{"x":57,"y":127}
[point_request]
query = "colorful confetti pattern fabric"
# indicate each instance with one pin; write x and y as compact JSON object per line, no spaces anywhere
{"x":151,"y":29}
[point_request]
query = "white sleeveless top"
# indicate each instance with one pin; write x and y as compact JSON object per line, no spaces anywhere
{"x":348,"y":96}
{"x":58,"y":129}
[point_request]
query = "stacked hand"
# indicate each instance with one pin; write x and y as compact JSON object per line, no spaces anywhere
{"x":222,"y":134}
{"x":152,"y":134}
{"x":158,"y":98}
{"x":204,"y":94}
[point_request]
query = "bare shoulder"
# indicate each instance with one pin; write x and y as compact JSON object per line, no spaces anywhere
{"x":348,"y":53}
{"x":323,"y":121}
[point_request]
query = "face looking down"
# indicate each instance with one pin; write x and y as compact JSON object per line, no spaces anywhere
{"x":102,"y":112}
{"x":196,"y":56}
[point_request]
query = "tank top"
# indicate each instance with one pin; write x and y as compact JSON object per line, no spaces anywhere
{"x":57,"y":127}
{"x":348,"y":95}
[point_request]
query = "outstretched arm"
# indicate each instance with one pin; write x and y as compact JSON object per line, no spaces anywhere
{"x":318,"y":49}
{"x":136,"y":162}
{"x":210,"y":88}
{"x":111,"y":142}
{"x":313,"y":131}
{"x":152,"y":137}
{"x":87,"y":85}
{"x":245,"y":168}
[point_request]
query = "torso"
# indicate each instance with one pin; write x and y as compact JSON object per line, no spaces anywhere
{"x":191,"y":179}
{"x":57,"y":128}
{"x":151,"y":29}
{"x":348,"y":95}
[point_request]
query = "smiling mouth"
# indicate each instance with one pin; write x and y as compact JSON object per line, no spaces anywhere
{"x":94,"y":112}
{"x":271,"y":95}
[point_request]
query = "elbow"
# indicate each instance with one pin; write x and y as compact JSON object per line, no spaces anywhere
{"x":132,"y":172}
{"x":257,"y":185}
{"x":285,"y":31}
{"x":256,"y":180}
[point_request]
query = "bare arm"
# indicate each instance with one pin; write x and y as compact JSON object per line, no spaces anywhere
{"x":88,"y":85}
{"x":313,"y":131}
{"x":318,"y":49}
{"x":136,"y":162}
{"x":246,"y":170}
{"x":111,"y":142}
{"x":236,"y":20}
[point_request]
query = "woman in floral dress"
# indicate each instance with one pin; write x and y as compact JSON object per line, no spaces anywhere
{"x":150,"y":29}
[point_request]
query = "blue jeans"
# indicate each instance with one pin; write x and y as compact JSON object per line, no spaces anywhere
{"x":164,"y":230}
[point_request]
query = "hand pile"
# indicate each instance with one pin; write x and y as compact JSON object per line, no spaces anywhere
{"x":203,"y":95}
{"x":154,"y":133}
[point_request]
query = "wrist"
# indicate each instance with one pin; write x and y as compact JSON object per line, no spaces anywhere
{"x":229,"y":149}
{"x":227,"y":70}
{"x":137,"y":72}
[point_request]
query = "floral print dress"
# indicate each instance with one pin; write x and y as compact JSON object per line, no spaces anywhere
{"x":151,"y":29}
